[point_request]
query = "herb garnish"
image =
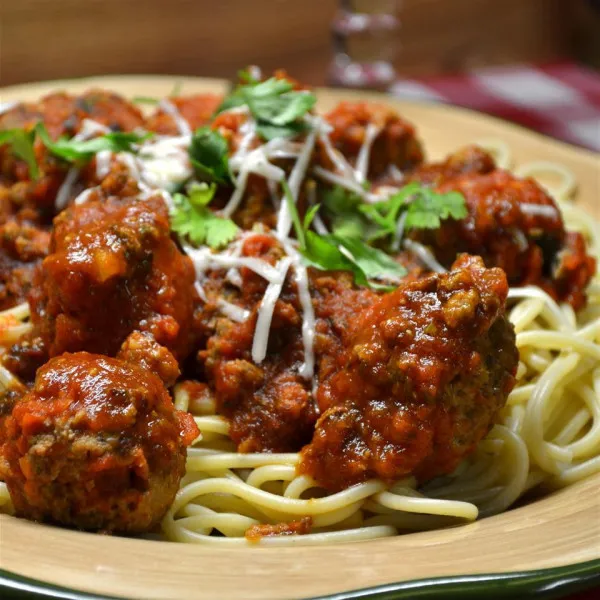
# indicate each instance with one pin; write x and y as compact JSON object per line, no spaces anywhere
{"x":191,"y":218}
{"x":335,"y":252}
{"x":81,"y":151}
{"x":67,"y":149}
{"x":21,"y":143}
{"x":419,"y":207}
{"x":208,"y":153}
{"x":274,"y":104}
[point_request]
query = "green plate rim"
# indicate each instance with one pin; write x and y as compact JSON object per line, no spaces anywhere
{"x":544,"y":584}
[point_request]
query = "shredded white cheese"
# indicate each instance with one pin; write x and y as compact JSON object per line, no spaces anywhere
{"x":6,"y":106}
{"x":164,"y":162}
{"x":399,"y":233}
{"x":89,"y":128}
{"x":64,"y":192}
{"x":181,"y":124}
{"x":335,"y":179}
{"x":542,"y":210}
{"x":265,"y":312}
{"x":520,"y":239}
{"x":308,"y":320}
{"x":84,"y":196}
{"x":103,"y":159}
{"x":362,"y":160}
{"x":204,"y":259}
{"x":284,"y":218}
{"x":424,"y":255}
{"x":233,"y":311}
{"x":254,"y":162}
{"x":339,"y":161}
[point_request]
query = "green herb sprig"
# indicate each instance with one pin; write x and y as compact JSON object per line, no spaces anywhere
{"x":274,"y":104}
{"x":192,"y":220}
{"x":69,"y":150}
{"x":336,"y":252}
{"x":420,"y":207}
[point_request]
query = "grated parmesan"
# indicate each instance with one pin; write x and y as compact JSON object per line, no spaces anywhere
{"x":265,"y":312}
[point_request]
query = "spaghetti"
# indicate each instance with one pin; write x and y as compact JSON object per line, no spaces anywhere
{"x":548,"y":435}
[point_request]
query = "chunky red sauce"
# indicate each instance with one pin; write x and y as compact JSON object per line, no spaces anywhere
{"x":406,"y":383}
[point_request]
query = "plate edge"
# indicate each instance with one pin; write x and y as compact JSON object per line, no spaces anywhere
{"x":548,"y":583}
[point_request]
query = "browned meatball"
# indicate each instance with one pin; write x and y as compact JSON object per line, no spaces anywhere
{"x":22,"y":247}
{"x":113,"y":269}
{"x":514,"y":224}
{"x":468,"y":160}
{"x":419,"y":382}
{"x":197,"y":111}
{"x":142,"y":349}
{"x":64,"y":113}
{"x":97,"y":445}
{"x":395,"y":143}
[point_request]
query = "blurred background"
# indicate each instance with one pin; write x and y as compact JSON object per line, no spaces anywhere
{"x":423,"y":49}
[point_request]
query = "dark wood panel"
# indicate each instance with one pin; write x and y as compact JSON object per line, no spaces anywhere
{"x":46,"y":39}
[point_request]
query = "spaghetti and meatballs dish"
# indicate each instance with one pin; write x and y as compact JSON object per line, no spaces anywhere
{"x":234,"y":320}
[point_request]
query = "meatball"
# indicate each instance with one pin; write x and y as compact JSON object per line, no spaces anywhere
{"x":64,"y":114}
{"x":96,"y":445}
{"x":468,"y":160}
{"x":514,"y":224}
{"x":197,"y":111}
{"x":395,"y":143}
{"x":22,"y":246}
{"x":112,"y":269}
{"x":143,"y":350}
{"x":419,"y":383}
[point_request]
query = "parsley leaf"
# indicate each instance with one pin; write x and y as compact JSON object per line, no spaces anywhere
{"x":270,"y":132}
{"x":335,"y":252}
{"x":274,"y":103}
{"x":309,"y":216}
{"x":423,"y":208}
{"x":192,"y":219}
{"x":428,"y":209}
{"x":342,"y":210}
{"x":245,"y":76}
{"x":209,"y":155}
{"x":21,"y":143}
{"x":374,"y":263}
{"x":68,"y":149}
{"x":79,"y":151}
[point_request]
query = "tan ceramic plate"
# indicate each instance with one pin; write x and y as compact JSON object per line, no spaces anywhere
{"x":562,"y":529}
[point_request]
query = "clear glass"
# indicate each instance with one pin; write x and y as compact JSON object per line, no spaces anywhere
{"x":366,"y":42}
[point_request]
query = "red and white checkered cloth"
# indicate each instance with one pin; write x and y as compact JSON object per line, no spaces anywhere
{"x":560,"y":100}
